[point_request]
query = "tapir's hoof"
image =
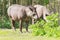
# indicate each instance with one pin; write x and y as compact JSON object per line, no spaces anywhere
{"x":14,"y":29}
{"x":27,"y":31}
{"x":21,"y":31}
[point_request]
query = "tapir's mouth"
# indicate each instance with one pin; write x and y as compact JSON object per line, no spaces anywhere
{"x":35,"y":17}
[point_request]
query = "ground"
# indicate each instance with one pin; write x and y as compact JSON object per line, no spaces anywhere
{"x":9,"y":34}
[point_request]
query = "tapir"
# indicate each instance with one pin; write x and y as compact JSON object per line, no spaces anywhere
{"x":20,"y":13}
{"x":41,"y":11}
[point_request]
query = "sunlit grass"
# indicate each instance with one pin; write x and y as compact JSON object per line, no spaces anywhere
{"x":9,"y":34}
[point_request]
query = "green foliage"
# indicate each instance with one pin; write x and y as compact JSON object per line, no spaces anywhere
{"x":5,"y":22}
{"x":49,"y":28}
{"x":42,"y":2}
{"x":46,"y":2}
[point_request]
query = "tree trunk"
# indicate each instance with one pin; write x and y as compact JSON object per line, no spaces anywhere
{"x":4,"y":7}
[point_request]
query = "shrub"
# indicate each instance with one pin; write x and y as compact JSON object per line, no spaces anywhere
{"x":5,"y":22}
{"x":50,"y":28}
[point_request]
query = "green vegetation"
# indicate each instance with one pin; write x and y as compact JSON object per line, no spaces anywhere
{"x":50,"y":28}
{"x":42,"y":2}
{"x":41,"y":29}
{"x":5,"y":22}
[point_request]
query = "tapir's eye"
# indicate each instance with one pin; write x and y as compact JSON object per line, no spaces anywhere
{"x":34,"y":14}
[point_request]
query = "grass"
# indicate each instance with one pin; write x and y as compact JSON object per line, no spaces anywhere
{"x":9,"y":34}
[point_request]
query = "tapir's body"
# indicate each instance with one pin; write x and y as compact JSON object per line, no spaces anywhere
{"x":19,"y":12}
{"x":15,"y":12}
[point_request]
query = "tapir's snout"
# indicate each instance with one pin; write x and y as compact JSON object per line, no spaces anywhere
{"x":35,"y":17}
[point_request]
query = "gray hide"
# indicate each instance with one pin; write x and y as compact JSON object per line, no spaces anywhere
{"x":42,"y":11}
{"x":19,"y":12}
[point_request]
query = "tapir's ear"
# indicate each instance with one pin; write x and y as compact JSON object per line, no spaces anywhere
{"x":34,"y":9}
{"x":31,"y":8}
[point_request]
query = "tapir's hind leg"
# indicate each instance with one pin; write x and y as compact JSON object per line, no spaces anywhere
{"x":13,"y":27}
{"x":27,"y":22}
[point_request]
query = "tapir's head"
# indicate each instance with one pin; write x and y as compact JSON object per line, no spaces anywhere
{"x":30,"y":11}
{"x":34,"y":12}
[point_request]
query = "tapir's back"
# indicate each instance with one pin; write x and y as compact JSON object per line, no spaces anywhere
{"x":15,"y":11}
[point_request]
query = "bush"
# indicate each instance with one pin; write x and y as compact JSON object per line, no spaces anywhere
{"x":5,"y":22}
{"x":50,"y":28}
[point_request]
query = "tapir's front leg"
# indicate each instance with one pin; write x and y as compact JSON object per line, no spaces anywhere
{"x":44,"y":17}
{"x":27,"y":26}
{"x":20,"y":25}
{"x":32,"y":21}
